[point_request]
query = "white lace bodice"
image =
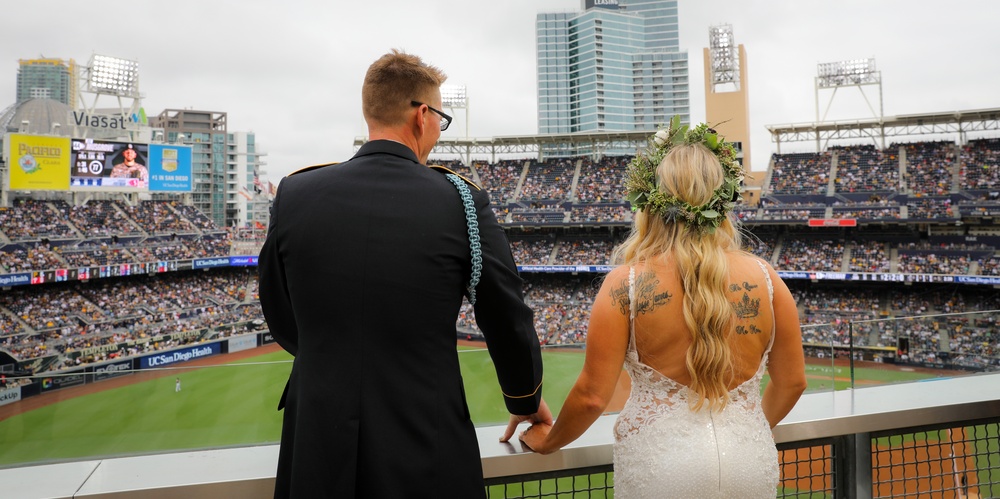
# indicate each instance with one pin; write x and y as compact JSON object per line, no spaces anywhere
{"x":664,"y":449}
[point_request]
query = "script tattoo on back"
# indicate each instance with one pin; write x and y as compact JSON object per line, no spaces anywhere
{"x":646,"y":297}
{"x":619,"y":296}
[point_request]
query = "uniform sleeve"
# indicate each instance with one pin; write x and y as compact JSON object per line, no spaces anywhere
{"x":506,"y":321}
{"x":273,"y":289}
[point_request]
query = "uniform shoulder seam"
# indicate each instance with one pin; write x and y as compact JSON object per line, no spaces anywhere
{"x":445,"y":170}
{"x":312,"y":167}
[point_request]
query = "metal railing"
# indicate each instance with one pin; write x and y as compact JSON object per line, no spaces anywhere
{"x":927,"y":439}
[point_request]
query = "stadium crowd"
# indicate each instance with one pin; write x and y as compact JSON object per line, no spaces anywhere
{"x":110,"y":318}
{"x":104,"y":233}
{"x":63,"y":318}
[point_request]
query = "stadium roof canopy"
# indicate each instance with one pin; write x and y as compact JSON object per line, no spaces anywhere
{"x":572,"y":143}
{"x":40,"y":115}
{"x":955,"y":122}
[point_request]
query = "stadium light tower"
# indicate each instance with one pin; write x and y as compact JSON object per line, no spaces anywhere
{"x":853,"y":73}
{"x":727,"y":102}
{"x":455,"y":97}
{"x":113,"y":76}
{"x":725,"y":62}
{"x":117,"y":79}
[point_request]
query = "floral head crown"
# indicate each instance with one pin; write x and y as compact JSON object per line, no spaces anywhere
{"x":644,"y":193}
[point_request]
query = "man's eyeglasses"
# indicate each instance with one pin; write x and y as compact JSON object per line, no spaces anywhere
{"x":445,"y":119}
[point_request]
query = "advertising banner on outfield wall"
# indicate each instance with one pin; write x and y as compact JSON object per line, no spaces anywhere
{"x":244,"y":342}
{"x":113,"y":370}
{"x":37,"y":163}
{"x":182,"y":355}
{"x":10,"y":395}
{"x":170,"y":168}
{"x":266,"y":338}
{"x":62,"y":380}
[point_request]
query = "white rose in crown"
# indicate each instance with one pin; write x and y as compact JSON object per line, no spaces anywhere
{"x":660,"y":138}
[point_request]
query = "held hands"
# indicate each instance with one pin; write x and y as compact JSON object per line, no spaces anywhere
{"x":534,"y":438}
{"x":541,"y":421}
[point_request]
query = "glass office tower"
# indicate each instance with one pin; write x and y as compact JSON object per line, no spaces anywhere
{"x":615,"y":66}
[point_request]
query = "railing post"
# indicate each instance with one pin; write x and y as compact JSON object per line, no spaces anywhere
{"x":850,"y":349}
{"x":854,"y":454}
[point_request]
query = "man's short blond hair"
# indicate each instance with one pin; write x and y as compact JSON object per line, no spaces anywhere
{"x":392,"y":82}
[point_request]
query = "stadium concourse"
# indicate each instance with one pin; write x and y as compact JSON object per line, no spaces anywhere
{"x":110,"y":280}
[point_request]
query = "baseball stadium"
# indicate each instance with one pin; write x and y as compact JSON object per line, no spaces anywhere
{"x":135,"y":360}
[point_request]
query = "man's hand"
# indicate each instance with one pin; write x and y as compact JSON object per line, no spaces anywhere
{"x":543,"y":416}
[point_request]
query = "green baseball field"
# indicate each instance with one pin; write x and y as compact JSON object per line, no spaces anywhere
{"x":234,"y":404}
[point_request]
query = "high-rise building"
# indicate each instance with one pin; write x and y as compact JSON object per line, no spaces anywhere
{"x":54,"y":79}
{"x":245,"y":188}
{"x":615,"y":66}
{"x":226,"y":166}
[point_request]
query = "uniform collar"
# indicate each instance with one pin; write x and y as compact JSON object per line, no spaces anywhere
{"x":387,"y":147}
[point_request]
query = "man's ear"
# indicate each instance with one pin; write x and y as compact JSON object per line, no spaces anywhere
{"x":421,"y":120}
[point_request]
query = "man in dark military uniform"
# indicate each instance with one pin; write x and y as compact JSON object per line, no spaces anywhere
{"x":361,"y":279}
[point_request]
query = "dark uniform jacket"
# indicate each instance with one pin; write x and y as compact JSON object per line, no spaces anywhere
{"x":361,"y":279}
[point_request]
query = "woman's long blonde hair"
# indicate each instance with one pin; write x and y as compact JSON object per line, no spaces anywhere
{"x":691,"y":173}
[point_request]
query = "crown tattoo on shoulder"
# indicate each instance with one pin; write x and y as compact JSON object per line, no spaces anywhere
{"x":747,"y":308}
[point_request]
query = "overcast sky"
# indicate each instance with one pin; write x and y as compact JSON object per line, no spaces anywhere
{"x":291,"y":71}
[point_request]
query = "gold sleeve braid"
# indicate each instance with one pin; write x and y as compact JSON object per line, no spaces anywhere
{"x":532,"y":394}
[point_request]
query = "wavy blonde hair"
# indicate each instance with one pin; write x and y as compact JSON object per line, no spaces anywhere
{"x":691,"y":173}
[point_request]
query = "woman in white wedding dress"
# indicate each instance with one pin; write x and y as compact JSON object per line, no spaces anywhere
{"x":696,"y":321}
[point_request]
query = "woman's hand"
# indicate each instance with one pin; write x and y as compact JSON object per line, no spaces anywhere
{"x":534,"y":438}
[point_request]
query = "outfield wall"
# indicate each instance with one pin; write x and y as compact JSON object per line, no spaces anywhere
{"x":100,"y":371}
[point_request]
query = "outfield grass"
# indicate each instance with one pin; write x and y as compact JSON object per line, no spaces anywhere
{"x":218,"y":406}
{"x":235,"y":405}
{"x":829,"y":377}
{"x":482,"y":390}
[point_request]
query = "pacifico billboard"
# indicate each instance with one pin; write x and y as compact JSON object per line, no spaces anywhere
{"x":38,"y":163}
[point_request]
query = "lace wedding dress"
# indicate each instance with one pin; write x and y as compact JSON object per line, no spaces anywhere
{"x":663,"y":449}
